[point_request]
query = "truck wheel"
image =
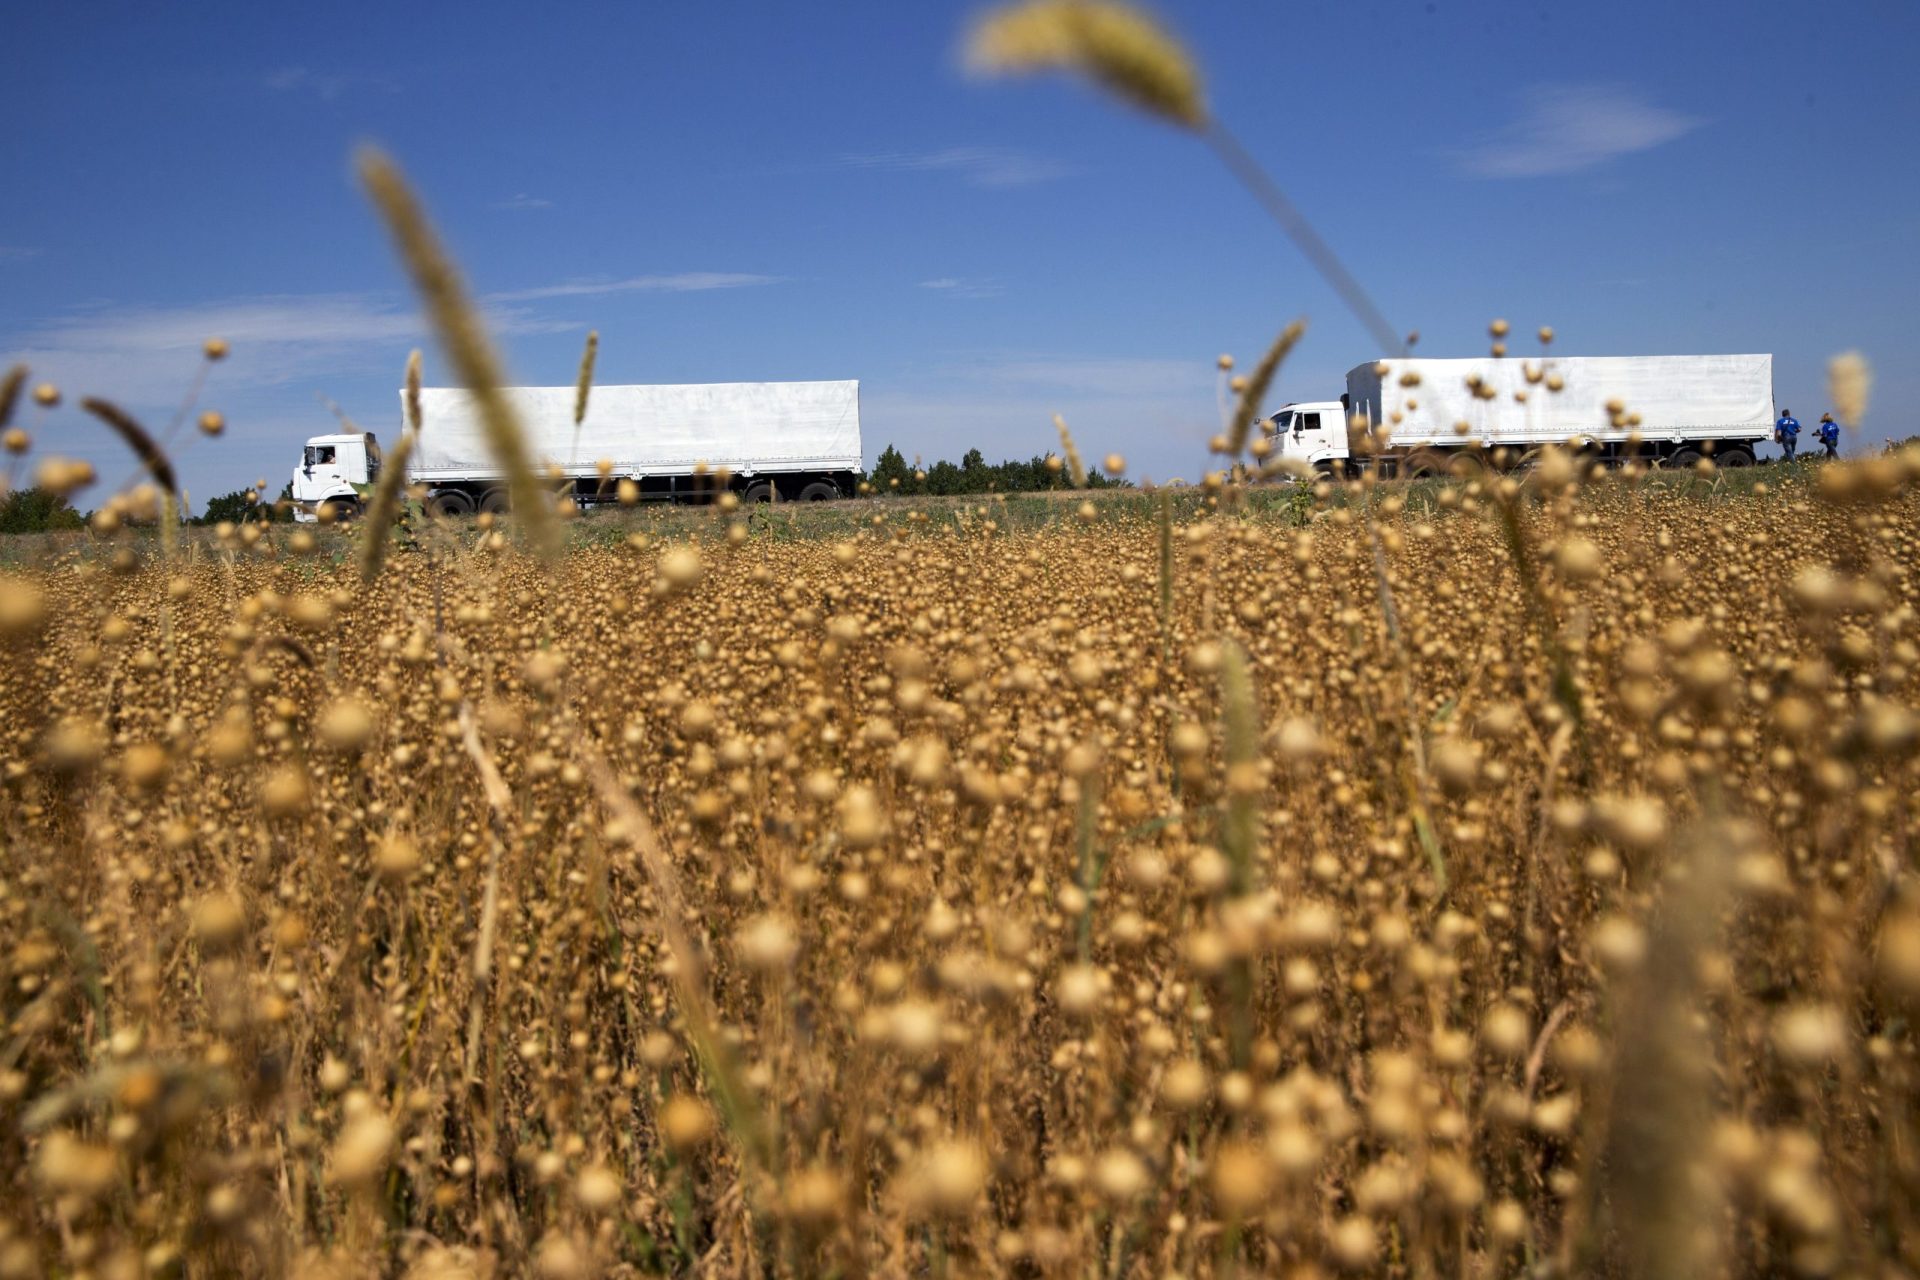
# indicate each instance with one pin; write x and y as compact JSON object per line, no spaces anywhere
{"x":343,"y":510}
{"x":1683,"y":460}
{"x":761,"y":492}
{"x":819,"y":491}
{"x":1424,"y":463}
{"x":450,"y":503}
{"x":1735,"y":457}
{"x":495,"y":502}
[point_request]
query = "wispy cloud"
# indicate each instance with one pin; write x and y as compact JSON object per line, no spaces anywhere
{"x":328,"y":86}
{"x":139,"y":352}
{"x":682,"y":282}
{"x":978,"y":166}
{"x":18,"y":252}
{"x":144,"y":353}
{"x":524,"y":201}
{"x":1568,"y":128}
{"x":1116,"y":376}
{"x":956,"y":287}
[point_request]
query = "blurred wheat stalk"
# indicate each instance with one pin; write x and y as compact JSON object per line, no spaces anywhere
{"x":1128,"y":54}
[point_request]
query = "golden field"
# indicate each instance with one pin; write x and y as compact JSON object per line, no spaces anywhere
{"x":1515,"y":877}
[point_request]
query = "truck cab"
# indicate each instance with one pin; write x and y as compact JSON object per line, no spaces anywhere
{"x":1313,"y":433}
{"x":335,"y":469}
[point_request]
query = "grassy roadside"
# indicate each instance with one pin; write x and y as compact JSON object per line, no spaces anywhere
{"x":1283,"y":505}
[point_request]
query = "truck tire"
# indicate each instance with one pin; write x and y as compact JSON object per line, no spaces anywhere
{"x":760,"y":492}
{"x":819,"y":491}
{"x":495,"y":502}
{"x":345,"y":510}
{"x":1737,"y":456}
{"x":450,"y":503}
{"x":1683,"y":459}
{"x":1423,"y":463}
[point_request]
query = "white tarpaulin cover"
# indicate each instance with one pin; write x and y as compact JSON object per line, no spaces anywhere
{"x":652,"y":430}
{"x":1677,"y":397}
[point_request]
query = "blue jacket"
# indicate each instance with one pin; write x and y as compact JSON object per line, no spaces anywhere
{"x":1829,"y":432}
{"x":1787,"y":426}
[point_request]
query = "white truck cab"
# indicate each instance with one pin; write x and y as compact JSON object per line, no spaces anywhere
{"x":1313,"y":432}
{"x":335,"y":469}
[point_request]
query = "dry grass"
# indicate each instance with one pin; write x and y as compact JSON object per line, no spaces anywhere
{"x":942,"y":900}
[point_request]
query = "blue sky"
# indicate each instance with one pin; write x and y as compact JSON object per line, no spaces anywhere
{"x":768,"y":191}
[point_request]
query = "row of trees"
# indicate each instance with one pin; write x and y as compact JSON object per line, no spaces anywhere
{"x":892,"y":474}
{"x":38,"y":510}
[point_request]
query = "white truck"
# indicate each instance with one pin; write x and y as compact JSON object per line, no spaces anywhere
{"x":1414,"y":417}
{"x":798,"y":441}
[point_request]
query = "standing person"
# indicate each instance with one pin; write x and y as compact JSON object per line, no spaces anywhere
{"x":1829,"y":435}
{"x":1787,"y":432}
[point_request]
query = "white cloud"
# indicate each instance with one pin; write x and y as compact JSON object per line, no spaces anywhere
{"x":327,"y":86}
{"x":18,"y":252}
{"x":956,"y":287}
{"x":1119,"y":376}
{"x":283,"y":349}
{"x":145,"y":355}
{"x":1568,"y":128}
{"x":977,"y":166}
{"x":522,"y":200}
{"x":683,"y":282}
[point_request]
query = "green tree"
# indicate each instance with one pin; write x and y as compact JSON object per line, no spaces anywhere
{"x":887,"y":469}
{"x":36,"y":510}
{"x":236,"y":508}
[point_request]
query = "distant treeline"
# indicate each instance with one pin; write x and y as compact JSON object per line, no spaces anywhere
{"x":37,"y":510}
{"x":972,"y":474}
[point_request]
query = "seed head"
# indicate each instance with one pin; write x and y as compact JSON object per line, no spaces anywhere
{"x":767,"y":943}
{"x":360,"y":1153}
{"x":1115,"y":45}
{"x":597,"y":1189}
{"x":686,"y":1123}
{"x":945,"y":1179}
{"x":1849,"y":381}
{"x":681,"y":569}
{"x":346,"y":725}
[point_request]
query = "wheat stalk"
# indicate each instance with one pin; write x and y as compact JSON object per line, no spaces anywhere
{"x":1256,"y":388}
{"x":584,"y":383}
{"x":384,"y":505}
{"x":464,"y":339}
{"x":413,"y":389}
{"x":1115,"y":45}
{"x":1849,"y":380}
{"x":151,"y":456}
{"x":1128,"y":54}
{"x":10,"y":392}
{"x":1075,"y":467}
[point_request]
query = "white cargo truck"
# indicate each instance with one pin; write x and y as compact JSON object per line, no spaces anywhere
{"x":797,"y":441}
{"x":1412,"y":417}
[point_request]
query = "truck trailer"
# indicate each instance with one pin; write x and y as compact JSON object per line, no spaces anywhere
{"x":1413,"y":417}
{"x":794,"y":441}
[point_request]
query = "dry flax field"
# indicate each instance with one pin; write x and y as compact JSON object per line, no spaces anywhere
{"x":1513,"y":876}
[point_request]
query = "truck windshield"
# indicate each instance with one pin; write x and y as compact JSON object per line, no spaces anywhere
{"x":1283,"y":420}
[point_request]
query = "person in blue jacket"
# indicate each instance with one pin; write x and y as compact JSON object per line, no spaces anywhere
{"x":1829,"y":435}
{"x":1787,"y":432}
